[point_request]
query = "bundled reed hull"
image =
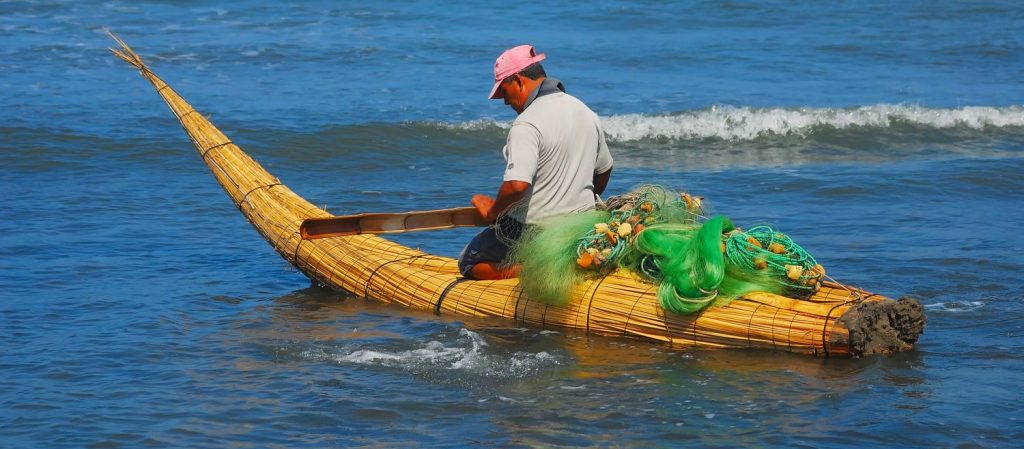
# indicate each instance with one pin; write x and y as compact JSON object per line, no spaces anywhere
{"x":836,"y":321}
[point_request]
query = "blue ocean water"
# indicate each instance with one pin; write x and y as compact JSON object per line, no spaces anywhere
{"x":140,"y":309}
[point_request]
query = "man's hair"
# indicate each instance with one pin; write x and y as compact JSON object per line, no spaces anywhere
{"x":533,"y":71}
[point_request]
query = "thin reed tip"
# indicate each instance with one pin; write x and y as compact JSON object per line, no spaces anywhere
{"x":125,"y":52}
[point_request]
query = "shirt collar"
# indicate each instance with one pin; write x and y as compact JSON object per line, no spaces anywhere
{"x":548,"y":86}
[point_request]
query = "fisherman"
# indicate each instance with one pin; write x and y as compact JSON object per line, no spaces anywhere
{"x":556,"y":161}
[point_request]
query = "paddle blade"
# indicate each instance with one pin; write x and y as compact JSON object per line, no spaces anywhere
{"x":390,"y":223}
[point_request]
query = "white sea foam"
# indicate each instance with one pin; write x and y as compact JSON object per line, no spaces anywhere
{"x":954,"y":306}
{"x":476,"y":125}
{"x":468,"y":353}
{"x":747,"y":123}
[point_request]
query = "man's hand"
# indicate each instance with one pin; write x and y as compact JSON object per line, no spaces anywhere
{"x":483,"y":205}
{"x":508,"y":194}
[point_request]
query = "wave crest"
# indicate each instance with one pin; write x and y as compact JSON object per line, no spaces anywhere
{"x":746,"y":123}
{"x":749,"y":123}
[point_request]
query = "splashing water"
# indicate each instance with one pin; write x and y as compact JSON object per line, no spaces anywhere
{"x":469,"y":353}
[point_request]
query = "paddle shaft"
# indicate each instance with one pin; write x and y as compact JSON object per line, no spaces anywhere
{"x":390,"y":223}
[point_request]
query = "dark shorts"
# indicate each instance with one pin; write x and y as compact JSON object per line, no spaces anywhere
{"x":487,"y":247}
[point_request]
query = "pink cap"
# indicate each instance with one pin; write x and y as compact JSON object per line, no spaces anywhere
{"x":511,"y":62}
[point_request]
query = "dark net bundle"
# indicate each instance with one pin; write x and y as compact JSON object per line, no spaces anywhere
{"x":769,"y":257}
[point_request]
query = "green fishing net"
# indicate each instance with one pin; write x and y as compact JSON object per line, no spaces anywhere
{"x":546,"y":254}
{"x":663,"y":237}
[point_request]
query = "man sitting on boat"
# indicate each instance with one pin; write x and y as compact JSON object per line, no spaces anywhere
{"x":557,"y":161}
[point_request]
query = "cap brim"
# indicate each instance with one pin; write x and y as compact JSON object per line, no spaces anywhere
{"x":495,"y":92}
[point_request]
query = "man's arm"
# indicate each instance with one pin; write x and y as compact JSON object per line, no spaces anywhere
{"x":601,"y":181}
{"x":508,"y":194}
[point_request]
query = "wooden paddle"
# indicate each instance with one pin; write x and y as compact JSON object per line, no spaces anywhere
{"x":390,"y":223}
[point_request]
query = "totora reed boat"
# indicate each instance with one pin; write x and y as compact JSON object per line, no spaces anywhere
{"x":837,"y":320}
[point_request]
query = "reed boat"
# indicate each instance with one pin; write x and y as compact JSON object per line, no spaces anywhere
{"x":836,"y":321}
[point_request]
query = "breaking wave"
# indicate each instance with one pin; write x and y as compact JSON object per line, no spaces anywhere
{"x":744,"y":123}
{"x":748,"y":123}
